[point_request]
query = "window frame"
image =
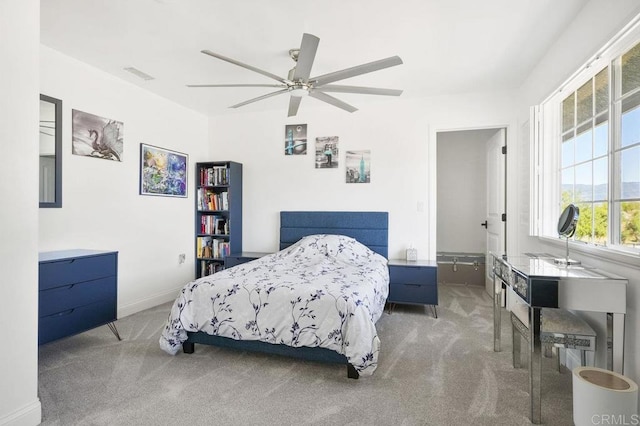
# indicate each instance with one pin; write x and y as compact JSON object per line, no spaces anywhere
{"x":545,"y":156}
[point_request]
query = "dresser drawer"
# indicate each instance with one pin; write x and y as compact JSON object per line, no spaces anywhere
{"x":76,"y":320}
{"x":412,"y":275}
{"x":60,"y":299}
{"x":426,"y":294}
{"x":75,"y":270}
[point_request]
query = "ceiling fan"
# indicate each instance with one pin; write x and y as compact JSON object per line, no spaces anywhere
{"x":299,"y":84}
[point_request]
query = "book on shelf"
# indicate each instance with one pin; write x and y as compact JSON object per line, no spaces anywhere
{"x":224,"y":249}
{"x":205,"y":247}
{"x":208,"y":268}
{"x":214,"y":224}
{"x":214,"y":176}
{"x":210,"y":200}
{"x":212,"y":248}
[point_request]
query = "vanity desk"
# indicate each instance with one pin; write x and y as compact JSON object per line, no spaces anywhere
{"x":539,"y":283}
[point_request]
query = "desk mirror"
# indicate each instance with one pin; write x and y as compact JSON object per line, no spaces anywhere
{"x":50,"y":152}
{"x":566,"y":228}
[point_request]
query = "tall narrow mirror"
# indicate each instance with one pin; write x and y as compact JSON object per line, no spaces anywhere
{"x":50,"y":152}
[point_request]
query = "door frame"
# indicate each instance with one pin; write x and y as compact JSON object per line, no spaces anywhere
{"x":511,"y":183}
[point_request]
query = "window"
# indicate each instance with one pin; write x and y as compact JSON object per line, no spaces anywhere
{"x":588,"y":151}
{"x":626,"y":198}
{"x":584,"y":157}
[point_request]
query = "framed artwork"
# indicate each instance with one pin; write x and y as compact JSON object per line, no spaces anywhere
{"x":95,"y":136}
{"x":295,"y":139}
{"x":163,"y":172}
{"x":327,"y":152}
{"x":358,"y":166}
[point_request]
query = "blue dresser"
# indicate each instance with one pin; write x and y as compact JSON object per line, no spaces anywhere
{"x":413,"y":282}
{"x":78,"y":290}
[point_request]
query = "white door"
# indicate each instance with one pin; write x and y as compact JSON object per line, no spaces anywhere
{"x":496,"y":205}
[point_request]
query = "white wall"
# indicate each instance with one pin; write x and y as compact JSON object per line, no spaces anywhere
{"x":462,"y":190}
{"x":589,"y":32}
{"x":401,"y":135}
{"x":101,"y":205}
{"x":19,"y":40}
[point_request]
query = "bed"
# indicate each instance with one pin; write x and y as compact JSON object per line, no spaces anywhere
{"x":317,"y":298}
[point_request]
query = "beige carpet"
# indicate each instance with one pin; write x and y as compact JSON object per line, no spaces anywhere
{"x":431,"y":372}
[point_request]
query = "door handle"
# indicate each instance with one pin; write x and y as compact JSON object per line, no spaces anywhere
{"x":486,"y":226}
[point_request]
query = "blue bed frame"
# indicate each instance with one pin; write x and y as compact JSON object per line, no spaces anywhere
{"x":369,"y":228}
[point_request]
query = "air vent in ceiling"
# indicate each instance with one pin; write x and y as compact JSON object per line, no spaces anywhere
{"x":139,"y":73}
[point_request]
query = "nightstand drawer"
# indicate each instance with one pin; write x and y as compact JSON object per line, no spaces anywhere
{"x":231,"y":261}
{"x":426,"y":294}
{"x":412,"y":275}
{"x":75,"y":270}
{"x":238,"y":259}
{"x":60,"y":299}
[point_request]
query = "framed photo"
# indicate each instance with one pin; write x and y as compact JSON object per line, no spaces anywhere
{"x":327,"y":152}
{"x":163,"y":172}
{"x":95,"y":136}
{"x":295,"y":139}
{"x":358,"y":166}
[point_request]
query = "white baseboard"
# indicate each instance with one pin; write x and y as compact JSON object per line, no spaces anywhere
{"x":29,"y":415}
{"x":150,"y":302}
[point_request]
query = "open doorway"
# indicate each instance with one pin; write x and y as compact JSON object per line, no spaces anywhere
{"x":471,"y":202}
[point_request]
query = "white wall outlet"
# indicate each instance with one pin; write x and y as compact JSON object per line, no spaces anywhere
{"x":181,"y":258}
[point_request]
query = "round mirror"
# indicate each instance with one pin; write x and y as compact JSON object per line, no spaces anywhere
{"x":568,"y":220}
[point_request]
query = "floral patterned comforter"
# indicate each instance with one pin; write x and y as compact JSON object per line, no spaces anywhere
{"x":324,"y":290}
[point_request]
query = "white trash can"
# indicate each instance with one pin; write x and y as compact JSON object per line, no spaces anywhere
{"x":603,"y":397}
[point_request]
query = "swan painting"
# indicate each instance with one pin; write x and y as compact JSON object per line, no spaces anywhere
{"x":95,"y":136}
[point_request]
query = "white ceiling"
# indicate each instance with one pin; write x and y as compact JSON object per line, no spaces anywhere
{"x":448,"y":46}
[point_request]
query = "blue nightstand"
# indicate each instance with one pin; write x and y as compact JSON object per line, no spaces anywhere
{"x":240,"y":258}
{"x":413,"y":282}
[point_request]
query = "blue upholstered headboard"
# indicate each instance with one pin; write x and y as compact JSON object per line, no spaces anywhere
{"x":369,"y":228}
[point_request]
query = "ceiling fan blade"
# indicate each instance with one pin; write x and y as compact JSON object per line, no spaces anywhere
{"x":249,"y":67}
{"x":294,"y":104}
{"x":357,"y":70}
{"x":236,"y":85}
{"x":360,"y":90}
{"x":331,"y":100}
{"x":259,"y":98}
{"x":307,"y":54}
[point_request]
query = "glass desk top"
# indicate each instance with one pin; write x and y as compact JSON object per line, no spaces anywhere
{"x":546,"y":267}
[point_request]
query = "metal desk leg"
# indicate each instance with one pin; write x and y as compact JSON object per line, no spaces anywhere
{"x":535,"y":358}
{"x":615,"y":352}
{"x":497,"y":304}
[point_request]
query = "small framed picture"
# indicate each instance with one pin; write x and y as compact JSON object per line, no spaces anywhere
{"x":163,"y":172}
{"x":327,"y":153}
{"x":295,"y":139}
{"x":358,"y":166}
